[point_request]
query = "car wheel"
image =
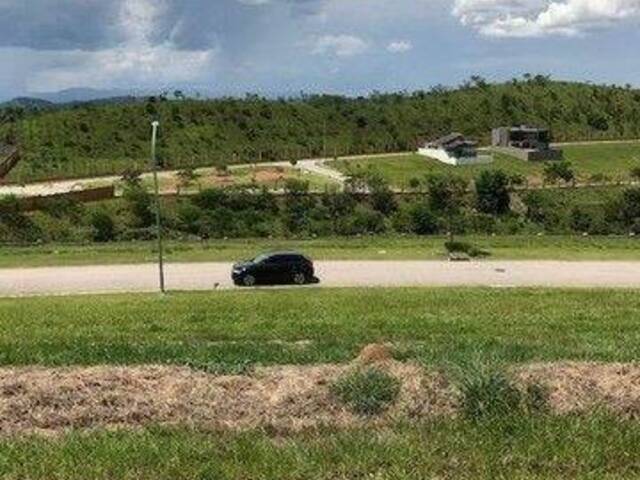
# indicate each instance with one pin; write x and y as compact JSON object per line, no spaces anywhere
{"x":299,"y":278}
{"x":249,"y":281}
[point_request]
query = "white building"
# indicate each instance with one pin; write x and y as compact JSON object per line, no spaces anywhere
{"x":455,"y":150}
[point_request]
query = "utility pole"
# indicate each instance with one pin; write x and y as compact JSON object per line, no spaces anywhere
{"x":154,"y":168}
{"x":324,"y":138}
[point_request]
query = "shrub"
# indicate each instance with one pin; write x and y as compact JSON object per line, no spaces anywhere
{"x":463,"y":247}
{"x":556,"y":171}
{"x":367,"y":392}
{"x":103,"y":228}
{"x":140,"y":205}
{"x":492,"y":395}
{"x":587,"y":219}
{"x":423,"y":221}
{"x":365,"y":220}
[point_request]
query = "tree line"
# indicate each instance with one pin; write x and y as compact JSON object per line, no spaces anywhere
{"x":451,"y":205}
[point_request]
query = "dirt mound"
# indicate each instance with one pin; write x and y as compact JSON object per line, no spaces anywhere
{"x":38,"y":400}
{"x":580,"y":387}
{"x":374,"y":353}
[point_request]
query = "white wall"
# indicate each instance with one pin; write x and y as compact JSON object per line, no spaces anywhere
{"x":444,"y":157}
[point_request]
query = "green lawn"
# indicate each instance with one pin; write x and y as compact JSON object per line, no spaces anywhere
{"x":373,"y":248}
{"x":614,"y":160}
{"x":227,"y":331}
{"x":528,"y":448}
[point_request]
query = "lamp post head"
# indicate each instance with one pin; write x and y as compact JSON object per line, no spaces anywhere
{"x":155,"y":124}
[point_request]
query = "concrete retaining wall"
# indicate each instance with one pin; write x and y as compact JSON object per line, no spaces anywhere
{"x":531,"y":155}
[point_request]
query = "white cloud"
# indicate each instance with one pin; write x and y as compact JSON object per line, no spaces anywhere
{"x":137,"y":60}
{"x":535,"y":18}
{"x":339,"y":45}
{"x":400,"y":46}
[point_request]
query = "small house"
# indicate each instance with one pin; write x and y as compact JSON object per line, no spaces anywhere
{"x":525,"y":142}
{"x":454,"y":149}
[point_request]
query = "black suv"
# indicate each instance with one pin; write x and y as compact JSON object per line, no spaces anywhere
{"x":273,"y":269}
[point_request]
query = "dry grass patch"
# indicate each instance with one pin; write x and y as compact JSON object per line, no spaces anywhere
{"x":288,"y":398}
{"x":575,"y":387}
{"x":284,"y":399}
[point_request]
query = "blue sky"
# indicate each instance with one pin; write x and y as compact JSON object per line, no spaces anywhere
{"x":286,"y":46}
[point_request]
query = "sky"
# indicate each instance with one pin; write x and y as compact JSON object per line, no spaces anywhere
{"x":283,"y":47}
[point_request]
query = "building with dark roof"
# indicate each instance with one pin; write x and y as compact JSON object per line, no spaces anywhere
{"x":525,"y":142}
{"x":454,"y":149}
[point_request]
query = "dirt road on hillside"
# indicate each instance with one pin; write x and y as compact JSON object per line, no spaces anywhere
{"x":210,"y":276}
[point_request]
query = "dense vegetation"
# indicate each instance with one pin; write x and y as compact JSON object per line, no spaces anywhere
{"x":450,"y":205}
{"x":91,"y":139}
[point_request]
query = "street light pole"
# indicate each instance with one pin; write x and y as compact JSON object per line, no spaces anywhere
{"x":154,"y":167}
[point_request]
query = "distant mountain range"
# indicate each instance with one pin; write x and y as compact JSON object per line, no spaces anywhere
{"x":51,"y":100}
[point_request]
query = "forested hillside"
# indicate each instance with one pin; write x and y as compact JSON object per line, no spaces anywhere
{"x":93,"y":139}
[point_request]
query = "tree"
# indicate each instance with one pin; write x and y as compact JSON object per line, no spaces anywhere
{"x":103,"y":228}
{"x":447,"y":195}
{"x":382,"y":198}
{"x":630,"y":206}
{"x":492,"y":192}
{"x":140,"y":205}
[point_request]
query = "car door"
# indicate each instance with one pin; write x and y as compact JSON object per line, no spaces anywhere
{"x":272,"y":270}
{"x":282,"y":269}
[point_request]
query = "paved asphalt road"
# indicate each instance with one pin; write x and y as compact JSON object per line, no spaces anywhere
{"x":205,"y":276}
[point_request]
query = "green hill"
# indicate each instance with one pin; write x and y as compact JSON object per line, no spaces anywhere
{"x":96,"y":139}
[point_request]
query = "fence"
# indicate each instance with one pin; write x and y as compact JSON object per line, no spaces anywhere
{"x":30,"y":204}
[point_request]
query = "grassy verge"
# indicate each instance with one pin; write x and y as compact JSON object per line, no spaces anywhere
{"x":525,"y":448}
{"x":373,"y":248}
{"x":228,"y":331}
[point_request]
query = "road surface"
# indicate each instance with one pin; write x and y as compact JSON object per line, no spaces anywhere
{"x":209,"y":276}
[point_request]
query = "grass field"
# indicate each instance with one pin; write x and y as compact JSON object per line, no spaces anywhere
{"x":599,"y":447}
{"x":374,"y":248}
{"x":614,"y":160}
{"x":228,"y":331}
